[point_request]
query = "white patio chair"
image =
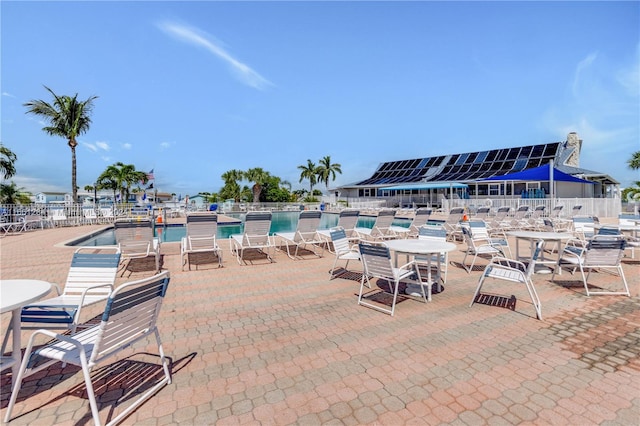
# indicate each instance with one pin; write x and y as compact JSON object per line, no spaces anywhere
{"x":482,"y":213}
{"x":135,"y":240}
{"x":452,"y":223}
{"x":89,"y":215}
{"x":200,"y":237}
{"x":377,"y":263}
{"x":343,"y":249}
{"x":58,"y":216}
{"x":255,"y":236}
{"x":381,"y":227}
{"x":91,"y":278}
{"x":584,"y":227}
{"x":601,"y":253}
{"x":480,"y":232}
{"x":420,"y":218}
{"x":435,"y":233}
{"x":306,"y":234}
{"x":107,"y":215}
{"x":130,"y":315}
{"x":482,"y":249}
{"x":501,"y":268}
{"x":347,"y":220}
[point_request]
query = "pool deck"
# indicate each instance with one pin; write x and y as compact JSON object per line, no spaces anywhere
{"x":280,"y":343}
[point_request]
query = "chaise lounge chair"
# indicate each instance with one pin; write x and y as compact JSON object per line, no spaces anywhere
{"x":254,"y":238}
{"x":305,"y":234}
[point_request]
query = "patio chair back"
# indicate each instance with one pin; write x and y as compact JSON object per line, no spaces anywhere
{"x":483,"y":212}
{"x":90,"y":279}
{"x":555,"y":212}
{"x":603,"y":252}
{"x":502,"y":213}
{"x":433,"y":233}
{"x":348,"y":219}
{"x":256,"y":228}
{"x":308,"y":223}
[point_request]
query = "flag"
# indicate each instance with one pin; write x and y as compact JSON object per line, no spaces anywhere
{"x":150,"y":175}
{"x":144,"y":196}
{"x":150,"y":186}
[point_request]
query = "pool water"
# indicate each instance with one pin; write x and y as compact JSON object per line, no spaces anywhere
{"x":280,"y":222}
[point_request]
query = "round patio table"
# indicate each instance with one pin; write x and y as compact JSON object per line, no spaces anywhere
{"x":418,"y":247}
{"x":15,"y":295}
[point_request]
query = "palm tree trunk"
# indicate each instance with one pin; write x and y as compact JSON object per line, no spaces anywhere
{"x":74,"y":187}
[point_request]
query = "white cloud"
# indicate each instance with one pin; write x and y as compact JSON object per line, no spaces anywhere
{"x":90,"y":147}
{"x":95,"y":147}
{"x":165,"y":145}
{"x":580,"y":68}
{"x":9,"y":95}
{"x":199,"y":38}
{"x":103,"y":145}
{"x":127,"y":146}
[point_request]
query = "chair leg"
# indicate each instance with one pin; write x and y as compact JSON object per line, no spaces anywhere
{"x":475,"y":295}
{"x":534,"y":298}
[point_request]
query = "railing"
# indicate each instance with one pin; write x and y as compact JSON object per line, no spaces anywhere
{"x":74,"y":213}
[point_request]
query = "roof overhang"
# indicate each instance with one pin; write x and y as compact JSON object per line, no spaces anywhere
{"x":426,"y":186}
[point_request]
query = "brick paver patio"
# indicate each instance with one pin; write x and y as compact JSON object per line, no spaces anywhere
{"x":281,"y":343}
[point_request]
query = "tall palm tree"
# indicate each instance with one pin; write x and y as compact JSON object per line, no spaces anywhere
{"x":68,"y":118}
{"x":310,"y":171}
{"x":231,"y":187}
{"x":327,"y":169}
{"x":259,"y":178}
{"x":634,"y":161}
{"x":7,"y":162}
{"x":120,"y":177}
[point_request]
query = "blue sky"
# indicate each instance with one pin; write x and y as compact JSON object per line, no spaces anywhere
{"x":194,"y":89}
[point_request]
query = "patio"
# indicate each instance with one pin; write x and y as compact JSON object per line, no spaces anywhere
{"x":280,"y":343}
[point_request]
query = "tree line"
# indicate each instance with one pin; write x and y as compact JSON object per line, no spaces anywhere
{"x":68,"y":117}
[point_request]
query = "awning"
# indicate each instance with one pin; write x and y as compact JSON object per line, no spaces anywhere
{"x":423,"y":186}
{"x":541,"y":174}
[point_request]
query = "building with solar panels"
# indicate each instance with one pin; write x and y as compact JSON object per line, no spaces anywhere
{"x":477,"y":175}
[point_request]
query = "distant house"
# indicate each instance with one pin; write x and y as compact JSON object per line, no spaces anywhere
{"x":53,"y":197}
{"x":198,"y":201}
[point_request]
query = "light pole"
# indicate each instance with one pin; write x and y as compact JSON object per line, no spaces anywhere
{"x":95,"y":195}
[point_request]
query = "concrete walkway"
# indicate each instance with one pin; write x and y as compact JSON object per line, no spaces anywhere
{"x":280,"y":343}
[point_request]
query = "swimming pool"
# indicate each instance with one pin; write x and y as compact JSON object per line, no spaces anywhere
{"x":280,"y":222}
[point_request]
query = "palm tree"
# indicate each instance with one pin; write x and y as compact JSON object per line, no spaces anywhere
{"x":310,"y":171}
{"x":11,"y":194}
{"x":231,"y":187}
{"x":327,"y":170}
{"x":259,"y":178}
{"x":68,"y":118}
{"x":120,"y":177}
{"x":7,"y":162}
{"x":634,"y":161}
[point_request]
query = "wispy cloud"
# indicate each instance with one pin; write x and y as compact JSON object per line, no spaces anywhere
{"x":582,"y":65}
{"x":165,"y":145}
{"x":127,"y":146}
{"x":97,"y":146}
{"x":199,"y":38}
{"x":9,"y":95}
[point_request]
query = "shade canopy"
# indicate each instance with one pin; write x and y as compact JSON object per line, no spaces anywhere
{"x":540,"y":174}
{"x":433,"y":185}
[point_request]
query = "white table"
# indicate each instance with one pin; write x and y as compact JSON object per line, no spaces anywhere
{"x":532,"y":237}
{"x":418,"y":247}
{"x":14,"y":294}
